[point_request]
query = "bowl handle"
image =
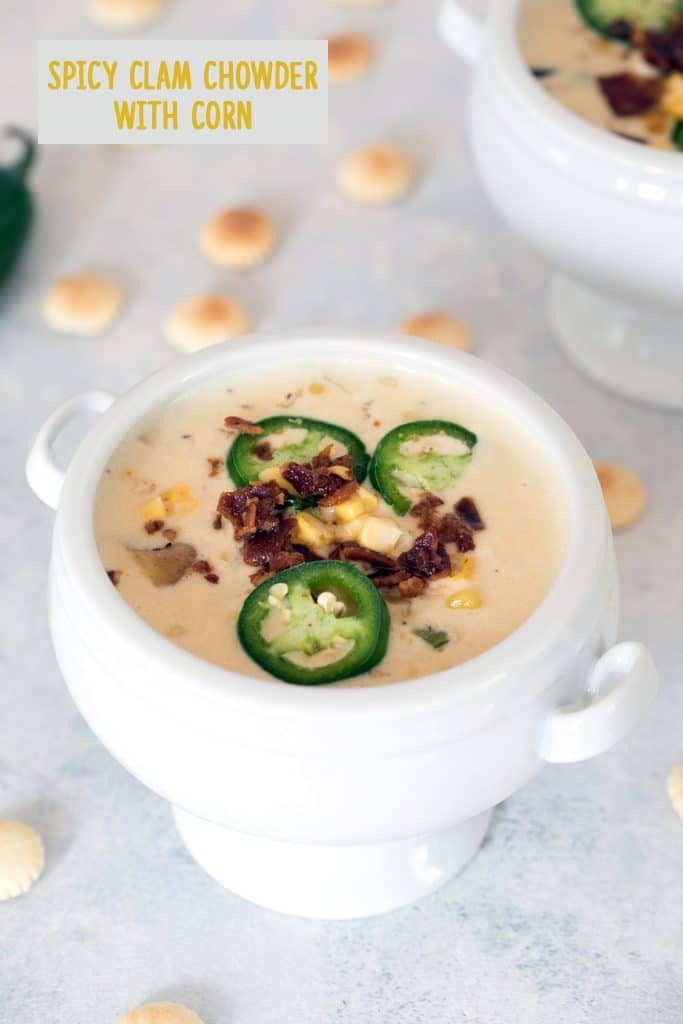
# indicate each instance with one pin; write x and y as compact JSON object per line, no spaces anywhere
{"x":620,"y":687}
{"x":45,"y":477}
{"x":461,"y":30}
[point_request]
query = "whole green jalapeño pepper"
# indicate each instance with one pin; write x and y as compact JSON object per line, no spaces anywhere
{"x":16,"y":208}
{"x":250,"y":454}
{"x":394,"y":469}
{"x":315,"y":623}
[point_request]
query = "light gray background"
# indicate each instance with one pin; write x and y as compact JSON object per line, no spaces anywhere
{"x":572,"y":911}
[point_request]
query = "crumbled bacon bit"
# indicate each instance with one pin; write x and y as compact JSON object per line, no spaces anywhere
{"x":214,"y":465}
{"x":301,"y":476}
{"x":351,"y":552}
{"x":241,"y":425}
{"x":664,"y":50}
{"x":383,"y":579}
{"x":201,"y":567}
{"x":285,"y":560}
{"x":656,"y":49}
{"x":262,"y":546}
{"x":263,"y":451}
{"x":340,"y":494}
{"x":412,"y":587}
{"x":620,"y":29}
{"x":153,"y":525}
{"x":211,"y":577}
{"x":452,"y":530}
{"x":169,"y":534}
{"x":628,"y":94}
{"x":466,"y":509}
{"x":217,"y":521}
{"x":252,"y":508}
{"x":427,"y":557}
{"x":309,"y":555}
{"x":258,"y":577}
{"x":425,"y":510}
{"x":114,"y":575}
{"x":320,"y":477}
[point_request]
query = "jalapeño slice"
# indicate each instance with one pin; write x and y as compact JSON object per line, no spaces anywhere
{"x":315,"y":623}
{"x":677,"y":134}
{"x":246,"y":460}
{"x":393,"y":468}
{"x":609,"y":16}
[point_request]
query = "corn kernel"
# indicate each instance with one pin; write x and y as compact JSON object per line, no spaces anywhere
{"x":466,"y":569}
{"x":311,"y":531}
{"x":316,"y":388}
{"x":672,"y":99}
{"x":348,"y":531}
{"x":274,"y":474}
{"x":379,"y":534}
{"x":350,"y":509}
{"x":467,"y":599}
{"x":154,"y":509}
{"x":369,"y":499}
{"x":179,"y":500}
{"x":176,"y":493}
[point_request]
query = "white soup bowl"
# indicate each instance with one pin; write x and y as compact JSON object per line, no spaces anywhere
{"x":338,"y":802}
{"x":607,"y":212}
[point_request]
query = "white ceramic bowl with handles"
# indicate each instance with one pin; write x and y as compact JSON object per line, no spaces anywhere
{"x":333,"y":802}
{"x":607,"y":212}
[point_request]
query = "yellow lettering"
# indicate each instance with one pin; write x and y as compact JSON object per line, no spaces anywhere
{"x":163,"y":77}
{"x":110,"y":70}
{"x":55,"y":82}
{"x":69,"y":73}
{"x":262,"y":74}
{"x":296,"y":73}
{"x":93,"y":81}
{"x":182,"y":75}
{"x":228,"y":115}
{"x":281,"y":74}
{"x":244,"y":114}
{"x":162,"y":114}
{"x":311,"y":75}
{"x":124,"y":112}
{"x":135,"y":68}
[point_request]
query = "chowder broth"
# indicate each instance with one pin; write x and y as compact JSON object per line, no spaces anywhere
{"x":162,"y":484}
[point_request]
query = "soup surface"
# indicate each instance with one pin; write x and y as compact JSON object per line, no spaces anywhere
{"x":503,"y":549}
{"x":630,"y":87}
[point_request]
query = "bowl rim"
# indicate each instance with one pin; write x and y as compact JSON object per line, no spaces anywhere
{"x":501,"y":34}
{"x":187,"y":675}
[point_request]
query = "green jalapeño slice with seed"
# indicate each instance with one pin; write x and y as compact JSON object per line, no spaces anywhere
{"x":315,"y":623}
{"x":608,"y":16}
{"x":428,"y":455}
{"x":290,"y":439}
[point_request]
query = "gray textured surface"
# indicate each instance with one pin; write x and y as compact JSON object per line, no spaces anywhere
{"x":572,"y":911}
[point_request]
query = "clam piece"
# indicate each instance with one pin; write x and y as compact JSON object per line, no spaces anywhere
{"x":165,"y":566}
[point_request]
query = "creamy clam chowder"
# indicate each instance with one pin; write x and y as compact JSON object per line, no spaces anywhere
{"x":373,"y":528}
{"x":615,"y":63}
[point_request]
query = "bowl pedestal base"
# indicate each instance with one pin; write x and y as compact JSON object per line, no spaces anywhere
{"x":309,"y":880}
{"x":633,"y":350}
